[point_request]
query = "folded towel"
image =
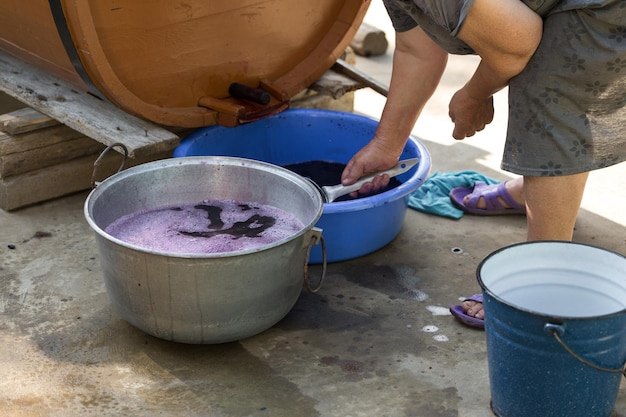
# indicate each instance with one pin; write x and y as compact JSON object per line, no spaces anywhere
{"x":433,"y":196}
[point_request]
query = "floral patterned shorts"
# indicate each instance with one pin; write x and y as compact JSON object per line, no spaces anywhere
{"x":567,"y":109}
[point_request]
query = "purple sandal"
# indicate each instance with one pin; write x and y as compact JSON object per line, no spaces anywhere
{"x":457,"y":311}
{"x":492,"y":195}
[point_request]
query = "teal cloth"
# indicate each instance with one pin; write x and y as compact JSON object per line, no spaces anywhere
{"x":433,"y":196}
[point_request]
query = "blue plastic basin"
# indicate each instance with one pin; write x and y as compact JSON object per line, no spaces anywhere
{"x":350,"y":228}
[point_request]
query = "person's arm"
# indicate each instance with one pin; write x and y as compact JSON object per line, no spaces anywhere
{"x":505,"y":34}
{"x":418,"y":64}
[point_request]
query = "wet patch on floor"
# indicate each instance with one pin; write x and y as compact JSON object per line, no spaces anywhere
{"x":396,"y":281}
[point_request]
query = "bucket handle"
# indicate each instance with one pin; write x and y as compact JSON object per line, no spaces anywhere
{"x":315,"y":238}
{"x":556,"y":331}
{"x":96,"y":164}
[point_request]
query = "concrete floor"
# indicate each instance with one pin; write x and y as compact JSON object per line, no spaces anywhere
{"x":377,"y":340}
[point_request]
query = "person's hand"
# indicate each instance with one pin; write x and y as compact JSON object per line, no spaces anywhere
{"x":469,"y":115}
{"x":371,"y":158}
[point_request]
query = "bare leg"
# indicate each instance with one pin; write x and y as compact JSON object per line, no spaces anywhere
{"x":552,"y":205}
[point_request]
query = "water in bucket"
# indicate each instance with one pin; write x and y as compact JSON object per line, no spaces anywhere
{"x":555,"y":321}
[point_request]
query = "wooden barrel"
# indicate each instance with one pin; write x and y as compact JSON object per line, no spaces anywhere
{"x":176,"y":62}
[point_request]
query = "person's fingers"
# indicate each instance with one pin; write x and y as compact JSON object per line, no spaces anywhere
{"x":461,"y":132}
{"x":366,"y":188}
{"x":378,"y":183}
{"x":351,"y":173}
{"x":345,"y":175}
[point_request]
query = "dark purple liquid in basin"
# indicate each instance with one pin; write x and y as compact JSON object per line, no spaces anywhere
{"x":329,"y":173}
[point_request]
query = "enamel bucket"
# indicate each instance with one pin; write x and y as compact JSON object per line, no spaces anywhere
{"x":555,"y":321}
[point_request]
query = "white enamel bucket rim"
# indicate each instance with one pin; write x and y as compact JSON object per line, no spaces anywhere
{"x":483,"y":271}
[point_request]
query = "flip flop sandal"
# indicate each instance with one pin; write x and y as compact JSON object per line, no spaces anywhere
{"x":457,"y":311}
{"x":492,"y":194}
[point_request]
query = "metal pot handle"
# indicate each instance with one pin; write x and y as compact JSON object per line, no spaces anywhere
{"x":556,"y":331}
{"x":315,"y":238}
{"x":96,"y":164}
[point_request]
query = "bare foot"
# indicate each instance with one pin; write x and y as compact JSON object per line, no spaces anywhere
{"x":473,"y":309}
{"x":514,"y":187}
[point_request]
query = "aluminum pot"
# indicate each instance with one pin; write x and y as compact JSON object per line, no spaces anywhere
{"x":204,"y":298}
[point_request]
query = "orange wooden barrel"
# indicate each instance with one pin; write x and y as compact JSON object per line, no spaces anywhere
{"x":174,"y":62}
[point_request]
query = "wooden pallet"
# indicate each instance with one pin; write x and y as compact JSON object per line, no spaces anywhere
{"x":42,"y":159}
{"x":48,"y":149}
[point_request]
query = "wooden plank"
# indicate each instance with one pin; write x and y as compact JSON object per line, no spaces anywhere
{"x":45,"y":156}
{"x":9,"y":104}
{"x":25,"y":120}
{"x":344,"y":68}
{"x":42,"y":138}
{"x":93,"y":117}
{"x":335,"y":85}
{"x":60,"y":180}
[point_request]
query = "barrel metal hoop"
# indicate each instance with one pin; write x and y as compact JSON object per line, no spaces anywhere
{"x":557,"y":337}
{"x":307,"y":283}
{"x":70,"y":48}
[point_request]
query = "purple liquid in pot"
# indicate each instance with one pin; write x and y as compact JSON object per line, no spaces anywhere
{"x":209,"y":226}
